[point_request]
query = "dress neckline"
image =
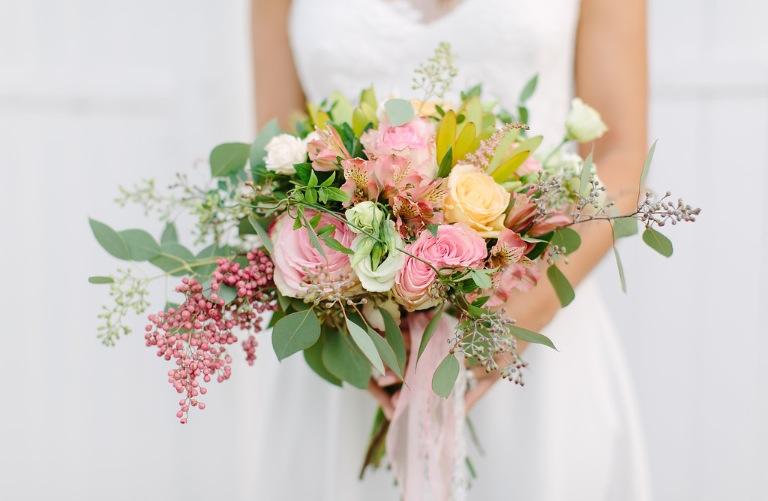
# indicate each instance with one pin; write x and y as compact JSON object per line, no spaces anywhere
{"x":394,"y":8}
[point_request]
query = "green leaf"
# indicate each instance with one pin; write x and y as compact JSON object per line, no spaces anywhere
{"x":295,"y":332}
{"x":262,"y":233}
{"x":174,"y":258}
{"x":568,"y":238}
{"x":529,"y":89}
{"x":314,"y":358}
{"x":100,"y":280}
{"x":314,"y":240}
{"x":586,"y":175}
{"x":531,"y":337}
{"x":342,"y":359}
{"x":110,"y":240}
{"x":334,"y":244}
{"x":228,"y":158}
{"x":432,"y":229}
{"x":620,"y":267}
{"x":141,"y":245}
{"x":561,"y":284}
{"x":624,"y":227}
{"x":169,"y":234}
{"x":430,"y":329}
{"x":341,"y":108}
{"x":446,"y":133}
{"x":394,"y":338}
{"x":446,"y":164}
{"x":481,"y":278}
{"x":206,"y":254}
{"x":366,"y":345}
{"x":445,"y":376}
{"x":399,"y":111}
{"x":647,"y":164}
{"x":336,"y":194}
{"x":386,"y":352}
{"x":256,"y":150}
{"x":227,"y":293}
{"x":658,"y":242}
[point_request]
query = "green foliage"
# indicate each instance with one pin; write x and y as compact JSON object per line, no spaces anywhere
{"x":429,"y":331}
{"x":174,"y":258}
{"x":257,"y":149}
{"x":295,"y":332}
{"x":366,"y":344}
{"x":445,"y":376}
{"x":624,"y":227}
{"x":648,"y":161}
{"x":227,"y":293}
{"x":658,"y":242}
{"x":110,"y":240}
{"x":97,"y":280}
{"x":445,"y":166}
{"x":342,"y":359}
{"x":586,"y":175}
{"x":528,"y":89}
{"x":394,"y":339}
{"x":562,"y":286}
{"x":169,"y":234}
{"x":531,"y":336}
{"x":386,"y":352}
{"x":481,"y":278}
{"x":399,"y":111}
{"x":567,"y":238}
{"x":141,"y":245}
{"x":228,"y":159}
{"x":620,"y":267}
{"x":314,"y":358}
{"x":262,"y":233}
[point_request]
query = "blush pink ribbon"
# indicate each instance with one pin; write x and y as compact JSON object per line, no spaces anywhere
{"x":425,"y":442}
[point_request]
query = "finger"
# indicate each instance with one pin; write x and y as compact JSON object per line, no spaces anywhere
{"x":388,"y":379}
{"x":382,"y":398}
{"x":481,"y":388}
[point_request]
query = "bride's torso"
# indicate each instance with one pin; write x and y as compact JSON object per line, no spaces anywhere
{"x":345,"y":45}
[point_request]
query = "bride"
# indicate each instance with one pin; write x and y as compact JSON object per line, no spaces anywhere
{"x":572,"y":431}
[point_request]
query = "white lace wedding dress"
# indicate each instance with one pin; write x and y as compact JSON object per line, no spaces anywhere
{"x":572,"y":432}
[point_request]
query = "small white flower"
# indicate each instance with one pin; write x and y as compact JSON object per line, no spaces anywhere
{"x":365,"y":217}
{"x":283,"y":151}
{"x":382,"y":278}
{"x":584,"y":123}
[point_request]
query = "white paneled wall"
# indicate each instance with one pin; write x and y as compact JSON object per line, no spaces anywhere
{"x":93,"y":93}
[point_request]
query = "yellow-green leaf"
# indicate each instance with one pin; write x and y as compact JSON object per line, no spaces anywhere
{"x":446,"y":133}
{"x":359,"y":121}
{"x":466,"y":142}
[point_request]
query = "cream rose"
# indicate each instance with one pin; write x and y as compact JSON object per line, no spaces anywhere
{"x":584,"y":123}
{"x":282,"y":152}
{"x":475,"y":199}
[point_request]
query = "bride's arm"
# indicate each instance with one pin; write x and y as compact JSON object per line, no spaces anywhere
{"x":278,"y":90}
{"x":611,"y":75}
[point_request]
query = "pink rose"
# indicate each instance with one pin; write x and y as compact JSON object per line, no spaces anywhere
{"x":325,"y":148}
{"x":550,"y":223}
{"x":299,"y":266}
{"x":455,"y":246}
{"x":414,"y":140}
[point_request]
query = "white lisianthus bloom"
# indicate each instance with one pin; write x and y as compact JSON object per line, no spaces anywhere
{"x":380,"y":278}
{"x":584,"y":123}
{"x":365,"y":216}
{"x":283,"y":151}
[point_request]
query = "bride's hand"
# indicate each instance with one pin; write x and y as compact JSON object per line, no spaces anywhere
{"x":532,"y":310}
{"x":385,"y":390}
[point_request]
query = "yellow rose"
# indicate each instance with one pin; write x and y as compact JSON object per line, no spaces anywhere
{"x":429,"y":108}
{"x":475,"y":199}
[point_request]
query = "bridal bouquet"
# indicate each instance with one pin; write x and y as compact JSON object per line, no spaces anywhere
{"x":334,"y":235}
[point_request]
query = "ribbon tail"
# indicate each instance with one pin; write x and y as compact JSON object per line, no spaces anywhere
{"x":426,"y":446}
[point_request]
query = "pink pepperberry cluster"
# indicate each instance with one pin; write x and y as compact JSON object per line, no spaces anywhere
{"x":197,"y":333}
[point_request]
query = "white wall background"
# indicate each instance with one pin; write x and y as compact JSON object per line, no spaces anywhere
{"x":93,"y":93}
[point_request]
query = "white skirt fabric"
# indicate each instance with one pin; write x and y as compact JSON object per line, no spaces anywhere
{"x":571,"y":433}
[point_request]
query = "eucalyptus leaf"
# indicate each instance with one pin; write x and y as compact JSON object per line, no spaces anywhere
{"x":429,"y":331}
{"x":658,"y":242}
{"x":227,"y":293}
{"x":262,"y":233}
{"x":344,"y":360}
{"x":295,"y":332}
{"x":314,"y":358}
{"x":97,"y":280}
{"x":169,"y":234}
{"x":386,"y":352}
{"x":394,"y":338}
{"x":228,"y":158}
{"x":620,"y":267}
{"x":366,"y":345}
{"x":586,"y":176}
{"x":481,"y":278}
{"x":568,"y":238}
{"x":531,"y":336}
{"x":647,"y":163}
{"x":444,"y":378}
{"x":624,"y":227}
{"x":174,"y":258}
{"x":257,"y":148}
{"x":561,"y":285}
{"x":141,"y":245}
{"x":529,"y":89}
{"x":110,"y":240}
{"x":399,"y":111}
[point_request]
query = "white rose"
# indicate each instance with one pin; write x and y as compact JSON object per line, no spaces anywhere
{"x":381,"y":279}
{"x":365,"y":216}
{"x":584,"y":123}
{"x":283,"y":151}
